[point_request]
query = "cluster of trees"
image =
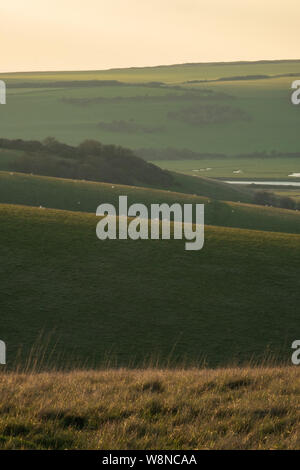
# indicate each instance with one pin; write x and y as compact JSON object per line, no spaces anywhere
{"x":129,"y":127}
{"x":230,"y":79}
{"x":90,"y":160}
{"x":190,"y":96}
{"x":267,"y":198}
{"x":209,"y":114}
{"x":186,"y":154}
{"x":171,"y":153}
{"x":270,"y":155}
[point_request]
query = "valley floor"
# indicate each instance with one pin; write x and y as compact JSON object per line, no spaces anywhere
{"x":246,"y":408}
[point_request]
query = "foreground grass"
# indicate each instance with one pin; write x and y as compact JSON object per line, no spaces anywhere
{"x":151,"y":409}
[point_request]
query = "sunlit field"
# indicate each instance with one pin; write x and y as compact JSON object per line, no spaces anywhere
{"x":249,"y":408}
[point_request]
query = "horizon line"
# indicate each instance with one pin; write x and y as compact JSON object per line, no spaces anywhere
{"x":114,"y":69}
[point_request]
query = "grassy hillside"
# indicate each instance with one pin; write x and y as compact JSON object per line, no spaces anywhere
{"x":111,"y":164}
{"x":94,"y":161}
{"x":130,"y":300}
{"x":210,"y":188}
{"x":58,"y":193}
{"x":151,"y":409}
{"x":127,"y":108}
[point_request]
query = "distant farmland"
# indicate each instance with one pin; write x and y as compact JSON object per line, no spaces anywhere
{"x":250,"y":111}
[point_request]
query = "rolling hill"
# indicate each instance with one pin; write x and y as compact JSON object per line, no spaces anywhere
{"x":170,"y":74}
{"x":152,"y":107}
{"x":85,"y":196}
{"x":128,"y":301}
{"x":94,"y":161}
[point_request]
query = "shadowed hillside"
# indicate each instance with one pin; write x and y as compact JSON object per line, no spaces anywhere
{"x":129,"y":300}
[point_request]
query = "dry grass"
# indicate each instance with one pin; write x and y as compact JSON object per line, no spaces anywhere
{"x":249,"y":408}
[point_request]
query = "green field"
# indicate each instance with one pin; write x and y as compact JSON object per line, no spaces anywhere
{"x":132,"y":300}
{"x":129,"y":301}
{"x":72,"y":195}
{"x":136,"y":113}
{"x":236,"y":168}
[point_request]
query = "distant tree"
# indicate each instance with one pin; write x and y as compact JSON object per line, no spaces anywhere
{"x":287,"y":203}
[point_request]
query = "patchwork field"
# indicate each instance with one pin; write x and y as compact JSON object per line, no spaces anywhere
{"x":160,"y":107}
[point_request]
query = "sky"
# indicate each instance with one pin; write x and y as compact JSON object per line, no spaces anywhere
{"x":100,"y":34}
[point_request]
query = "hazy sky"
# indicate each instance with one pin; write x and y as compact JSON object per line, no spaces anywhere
{"x":98,"y":34}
